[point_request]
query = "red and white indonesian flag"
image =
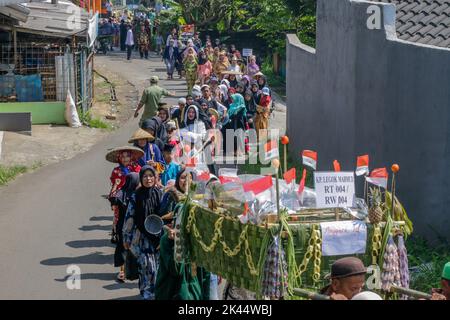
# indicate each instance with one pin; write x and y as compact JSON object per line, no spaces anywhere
{"x":271,"y":150}
{"x":309,"y":158}
{"x":259,"y":185}
{"x":301,"y":186}
{"x":228,"y":175}
{"x":379,"y":177}
{"x":289,"y":176}
{"x":362,"y":165}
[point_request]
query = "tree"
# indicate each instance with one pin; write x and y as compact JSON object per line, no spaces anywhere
{"x":203,"y":13}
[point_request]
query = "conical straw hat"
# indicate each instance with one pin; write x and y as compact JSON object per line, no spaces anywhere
{"x":113,"y":155}
{"x":141,"y":134}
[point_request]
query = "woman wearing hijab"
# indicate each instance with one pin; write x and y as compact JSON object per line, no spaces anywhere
{"x":156,"y":128}
{"x":237,"y":120}
{"x":194,"y":130}
{"x":175,"y":281}
{"x":190,"y":67}
{"x":250,"y":105}
{"x":204,"y":68}
{"x":143,"y":245}
{"x":246,"y":82}
{"x":262,"y":82}
{"x":126,"y":165}
{"x":233,"y":81}
{"x":119,"y":205}
{"x":252,"y":67}
{"x":152,"y":153}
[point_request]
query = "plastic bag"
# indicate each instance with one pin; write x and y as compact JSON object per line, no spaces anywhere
{"x":71,"y":113}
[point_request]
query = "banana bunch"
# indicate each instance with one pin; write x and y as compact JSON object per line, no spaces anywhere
{"x":399,"y":212}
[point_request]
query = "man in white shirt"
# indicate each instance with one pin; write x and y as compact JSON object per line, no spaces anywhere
{"x":129,"y":42}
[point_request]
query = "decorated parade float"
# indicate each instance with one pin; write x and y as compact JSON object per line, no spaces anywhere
{"x":279,"y":239}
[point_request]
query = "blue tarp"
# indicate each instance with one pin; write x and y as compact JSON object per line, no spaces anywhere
{"x":29,"y":88}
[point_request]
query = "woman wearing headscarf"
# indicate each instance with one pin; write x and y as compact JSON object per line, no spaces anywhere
{"x":156,"y":128}
{"x":237,"y":120}
{"x":175,"y":280}
{"x":221,"y":65}
{"x":126,"y":165}
{"x":246,"y":81}
{"x":204,"y":68}
{"x":194,"y":130}
{"x":119,"y":204}
{"x":250,"y":105}
{"x":143,"y":245}
{"x":252,"y":67}
{"x":263,"y":112}
{"x":262,"y":82}
{"x":152,"y":153}
{"x":190,"y":67}
{"x":233,"y":81}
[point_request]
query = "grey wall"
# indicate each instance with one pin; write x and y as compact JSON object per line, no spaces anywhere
{"x":364,"y":91}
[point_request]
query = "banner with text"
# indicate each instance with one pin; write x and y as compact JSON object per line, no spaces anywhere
{"x":334,"y":189}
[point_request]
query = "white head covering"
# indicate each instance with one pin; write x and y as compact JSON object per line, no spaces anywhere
{"x":226,"y":82}
{"x":182,"y":100}
{"x":224,"y":90}
{"x":367,"y":295}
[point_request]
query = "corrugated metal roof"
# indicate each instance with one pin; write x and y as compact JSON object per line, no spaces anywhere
{"x":15,"y":11}
{"x":63,"y":19}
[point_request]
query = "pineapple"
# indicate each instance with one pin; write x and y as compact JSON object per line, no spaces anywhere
{"x":376,"y":211}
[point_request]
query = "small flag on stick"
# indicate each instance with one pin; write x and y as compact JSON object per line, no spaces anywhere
{"x":289,"y":176}
{"x":362,"y":165}
{"x":379,"y":177}
{"x":309,"y":158}
{"x":337,"y":166}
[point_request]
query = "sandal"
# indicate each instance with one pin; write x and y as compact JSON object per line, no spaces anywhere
{"x":121,"y":276}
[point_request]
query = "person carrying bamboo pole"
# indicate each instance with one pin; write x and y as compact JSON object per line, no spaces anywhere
{"x":444,"y":292}
{"x":347,"y":279}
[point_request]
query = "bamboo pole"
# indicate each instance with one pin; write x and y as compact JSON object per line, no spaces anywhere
{"x":410,"y":292}
{"x":310,"y":295}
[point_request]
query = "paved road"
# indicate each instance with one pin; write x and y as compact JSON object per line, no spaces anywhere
{"x":58,"y":216}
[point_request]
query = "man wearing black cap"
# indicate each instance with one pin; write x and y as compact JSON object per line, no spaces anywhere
{"x":347,"y":279}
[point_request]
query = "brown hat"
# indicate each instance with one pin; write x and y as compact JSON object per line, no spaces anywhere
{"x":141,"y":134}
{"x":347,"y":267}
{"x":113,"y":154}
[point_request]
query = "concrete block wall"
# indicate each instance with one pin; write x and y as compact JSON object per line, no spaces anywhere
{"x":365,"y":91}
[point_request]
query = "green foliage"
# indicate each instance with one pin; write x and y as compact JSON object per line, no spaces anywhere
{"x":8,"y":173}
{"x":87,"y":119}
{"x":427,"y":262}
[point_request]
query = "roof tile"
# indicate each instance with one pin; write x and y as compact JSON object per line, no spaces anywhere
{"x":423,"y":21}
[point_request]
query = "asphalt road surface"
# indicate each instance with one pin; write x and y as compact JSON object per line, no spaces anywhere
{"x":57,"y":216}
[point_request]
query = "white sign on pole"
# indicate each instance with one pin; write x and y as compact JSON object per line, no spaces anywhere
{"x":343,"y":237}
{"x":247,"y":52}
{"x":334,"y":189}
{"x":93,"y":29}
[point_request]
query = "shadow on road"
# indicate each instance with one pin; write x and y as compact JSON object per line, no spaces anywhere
{"x":97,"y":243}
{"x":93,"y":258}
{"x":92,"y":276}
{"x":119,"y":286}
{"x":102,"y":218}
{"x":137,"y":297}
{"x":95,"y":227}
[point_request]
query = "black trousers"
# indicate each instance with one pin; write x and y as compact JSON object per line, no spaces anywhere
{"x":129,"y":51}
{"x":143,"y":53}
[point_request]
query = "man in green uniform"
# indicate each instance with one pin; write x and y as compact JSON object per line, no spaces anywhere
{"x":444,"y":292}
{"x":150,"y":99}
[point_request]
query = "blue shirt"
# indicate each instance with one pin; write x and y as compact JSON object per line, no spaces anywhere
{"x":170,"y":172}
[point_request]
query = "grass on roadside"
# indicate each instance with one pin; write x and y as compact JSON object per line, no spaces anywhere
{"x":87,"y":119}
{"x":8,"y":173}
